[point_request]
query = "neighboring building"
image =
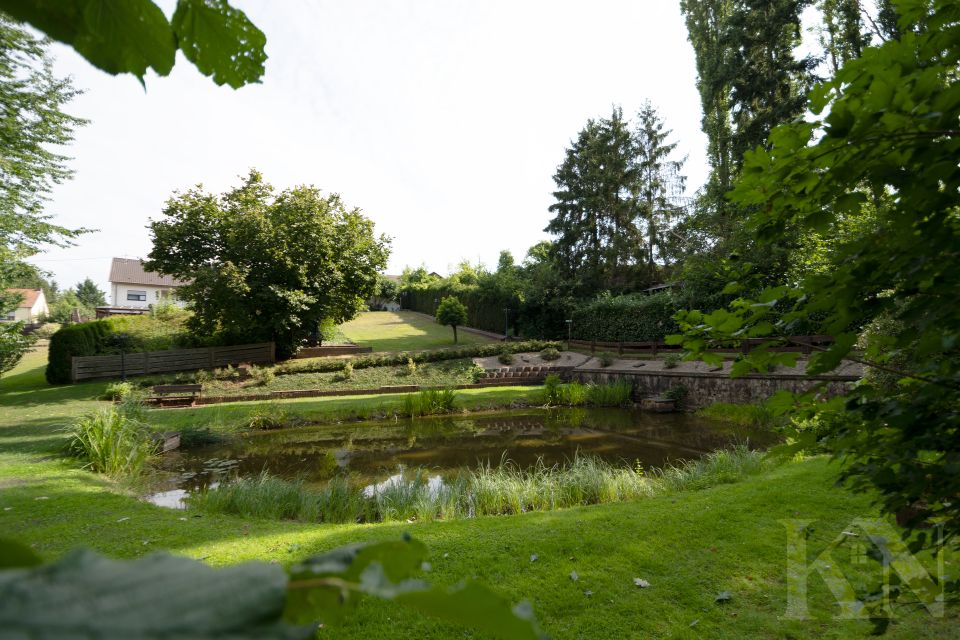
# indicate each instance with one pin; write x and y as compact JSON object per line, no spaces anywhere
{"x":132,"y":287}
{"x":32,"y":309}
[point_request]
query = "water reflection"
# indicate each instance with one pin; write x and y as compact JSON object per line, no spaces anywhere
{"x":372,"y":452}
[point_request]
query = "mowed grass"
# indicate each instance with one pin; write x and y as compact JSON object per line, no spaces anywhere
{"x":689,"y":546}
{"x":403,"y":331}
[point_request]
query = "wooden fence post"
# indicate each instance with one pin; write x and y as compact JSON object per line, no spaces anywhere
{"x":73,"y":369}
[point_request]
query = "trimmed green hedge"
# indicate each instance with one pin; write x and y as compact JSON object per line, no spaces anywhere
{"x":326,"y":365}
{"x":83,"y":339}
{"x":633,"y":318}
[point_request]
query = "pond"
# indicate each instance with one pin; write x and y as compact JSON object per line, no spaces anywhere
{"x":374,"y":451}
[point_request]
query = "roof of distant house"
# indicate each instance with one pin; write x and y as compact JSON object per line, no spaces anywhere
{"x":131,"y":271}
{"x":29,"y":297}
{"x":387,"y":276}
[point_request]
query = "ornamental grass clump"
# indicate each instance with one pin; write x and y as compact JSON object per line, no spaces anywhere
{"x":487,"y":490}
{"x":611,"y":394}
{"x":428,"y":402}
{"x":111,"y":442}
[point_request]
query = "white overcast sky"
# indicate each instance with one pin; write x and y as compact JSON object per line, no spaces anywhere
{"x":443,"y":120}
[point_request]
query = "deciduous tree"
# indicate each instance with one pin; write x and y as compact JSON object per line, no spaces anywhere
{"x":452,"y":313}
{"x":267,"y":266}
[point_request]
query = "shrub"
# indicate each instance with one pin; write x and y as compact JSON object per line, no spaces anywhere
{"x":268,"y":416}
{"x":678,"y":393}
{"x":671,"y":360}
{"x":111,"y":442}
{"x":347,"y":372}
{"x":411,"y":366}
{"x":505,"y":358}
{"x":116,"y":391}
{"x":203,"y":376}
{"x":477,"y":373}
{"x":606,"y":359}
{"x":550,"y":354}
{"x":81,"y":339}
{"x":47,"y":330}
{"x":261,"y":375}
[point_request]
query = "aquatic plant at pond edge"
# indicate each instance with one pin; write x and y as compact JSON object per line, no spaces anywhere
{"x":428,"y":402}
{"x":501,"y":489}
{"x":575,"y":394}
{"x":111,"y":442}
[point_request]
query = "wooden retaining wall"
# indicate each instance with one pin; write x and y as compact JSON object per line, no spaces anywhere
{"x":145,"y":363}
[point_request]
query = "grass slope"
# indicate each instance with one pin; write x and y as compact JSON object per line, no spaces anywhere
{"x":689,"y":546}
{"x":403,"y":331}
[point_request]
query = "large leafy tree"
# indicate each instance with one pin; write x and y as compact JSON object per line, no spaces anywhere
{"x":33,"y":127}
{"x":132,"y":36}
{"x":267,"y":266}
{"x":882,"y":142}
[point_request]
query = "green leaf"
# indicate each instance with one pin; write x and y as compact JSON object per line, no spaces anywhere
{"x":158,"y":596}
{"x":14,"y":555}
{"x":117,"y":36}
{"x":220,"y":40}
{"x":325,"y":586}
{"x":475,"y":606}
{"x":829,"y":360}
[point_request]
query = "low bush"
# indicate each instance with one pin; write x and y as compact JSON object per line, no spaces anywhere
{"x":269,"y":416}
{"x":330,"y":365}
{"x":606,"y":359}
{"x":116,"y":391}
{"x":81,"y":339}
{"x":505,"y":358}
{"x":672,"y":360}
{"x":261,"y":375}
{"x":110,"y":441}
{"x":477,"y":373}
{"x":411,"y":367}
{"x":47,"y":330}
{"x":550,"y":354}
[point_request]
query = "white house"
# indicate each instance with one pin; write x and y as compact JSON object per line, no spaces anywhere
{"x":31,"y":309}
{"x":132,"y":287}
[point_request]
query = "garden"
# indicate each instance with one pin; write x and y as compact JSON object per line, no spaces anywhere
{"x":721,"y":413}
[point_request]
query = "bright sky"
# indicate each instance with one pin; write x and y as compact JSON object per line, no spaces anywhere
{"x":443,"y":120}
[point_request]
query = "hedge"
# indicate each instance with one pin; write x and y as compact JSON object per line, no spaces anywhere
{"x":143,"y":333}
{"x":631,"y":318}
{"x":326,"y":365}
{"x":83,"y":339}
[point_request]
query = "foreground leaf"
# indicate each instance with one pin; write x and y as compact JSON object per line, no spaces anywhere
{"x":158,"y":596}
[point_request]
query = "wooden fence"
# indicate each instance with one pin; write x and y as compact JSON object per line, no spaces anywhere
{"x":802,"y":344}
{"x":137,"y":364}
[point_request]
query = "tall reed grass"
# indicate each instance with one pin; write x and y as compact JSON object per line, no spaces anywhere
{"x":428,"y":402}
{"x":110,"y":441}
{"x":746,"y":415}
{"x":575,"y":394}
{"x":500,"y":489}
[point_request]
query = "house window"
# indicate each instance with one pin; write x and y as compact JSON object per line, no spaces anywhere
{"x":139,"y":296}
{"x":10,"y":317}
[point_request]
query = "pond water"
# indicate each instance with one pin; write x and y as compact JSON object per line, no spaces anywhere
{"x":374,"y":451}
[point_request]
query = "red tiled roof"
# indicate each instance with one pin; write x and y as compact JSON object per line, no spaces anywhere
{"x":29,"y":297}
{"x":131,"y":271}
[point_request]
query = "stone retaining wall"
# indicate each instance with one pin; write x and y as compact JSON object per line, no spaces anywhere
{"x":704,"y":388}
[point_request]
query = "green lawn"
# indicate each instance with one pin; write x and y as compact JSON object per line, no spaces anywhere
{"x":689,"y":546}
{"x":403,"y":331}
